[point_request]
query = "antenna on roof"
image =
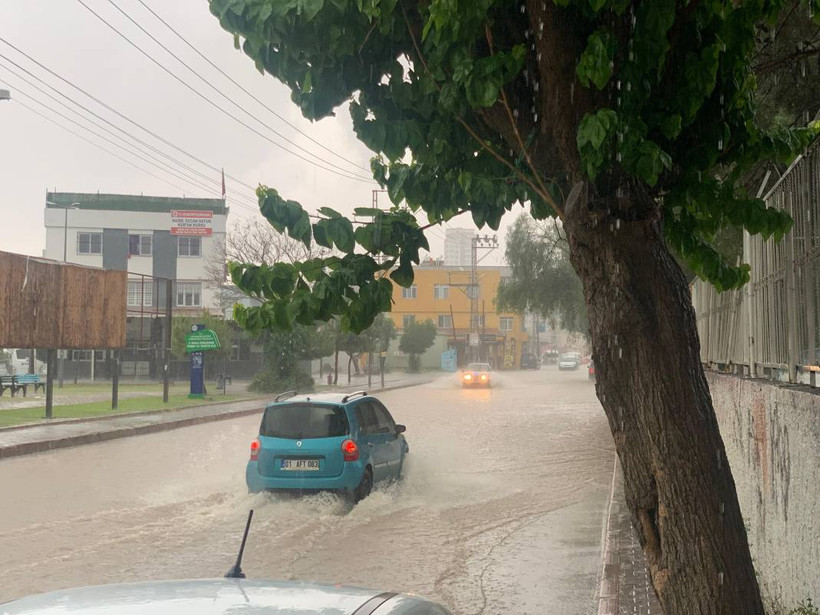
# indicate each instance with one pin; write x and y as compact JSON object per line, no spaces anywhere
{"x":236,"y":571}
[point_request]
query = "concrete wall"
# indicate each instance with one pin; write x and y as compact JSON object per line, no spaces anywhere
{"x":772,"y":438}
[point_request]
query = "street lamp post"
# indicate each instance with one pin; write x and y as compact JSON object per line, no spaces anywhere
{"x":65,"y":208}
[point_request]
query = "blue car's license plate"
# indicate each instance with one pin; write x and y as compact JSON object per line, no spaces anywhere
{"x":301,"y":465}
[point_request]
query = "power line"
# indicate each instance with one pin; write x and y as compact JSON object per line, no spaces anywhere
{"x":103,"y":128}
{"x":237,"y":84}
{"x":341,"y":172}
{"x":120,"y":115}
{"x":110,"y":153}
{"x":108,"y":131}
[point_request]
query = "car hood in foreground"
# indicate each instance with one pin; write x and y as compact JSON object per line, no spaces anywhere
{"x":217,"y":597}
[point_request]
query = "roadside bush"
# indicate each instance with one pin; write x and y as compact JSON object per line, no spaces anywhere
{"x":271,"y":381}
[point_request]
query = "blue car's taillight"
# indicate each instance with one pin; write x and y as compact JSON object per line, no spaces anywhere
{"x":350,"y":450}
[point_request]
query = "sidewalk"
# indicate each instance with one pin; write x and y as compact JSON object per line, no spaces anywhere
{"x":626,"y":587}
{"x":26,"y":439}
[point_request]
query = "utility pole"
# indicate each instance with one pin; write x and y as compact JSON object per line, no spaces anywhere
{"x":65,"y":208}
{"x":479,"y":242}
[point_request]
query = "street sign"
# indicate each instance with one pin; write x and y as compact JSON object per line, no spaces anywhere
{"x":197,"y":341}
{"x":197,"y":223}
{"x":475,"y":339}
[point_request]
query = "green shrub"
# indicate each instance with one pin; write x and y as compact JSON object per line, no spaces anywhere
{"x":270,"y":381}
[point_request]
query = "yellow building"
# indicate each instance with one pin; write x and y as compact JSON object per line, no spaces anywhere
{"x":441,"y":294}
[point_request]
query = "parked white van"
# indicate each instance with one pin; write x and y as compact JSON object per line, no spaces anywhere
{"x":15,"y":361}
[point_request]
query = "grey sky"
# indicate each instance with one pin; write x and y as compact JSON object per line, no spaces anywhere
{"x":36,"y":155}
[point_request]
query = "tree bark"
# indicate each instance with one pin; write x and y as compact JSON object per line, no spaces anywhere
{"x":651,"y":383}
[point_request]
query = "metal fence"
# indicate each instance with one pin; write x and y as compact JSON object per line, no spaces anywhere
{"x":770,"y":327}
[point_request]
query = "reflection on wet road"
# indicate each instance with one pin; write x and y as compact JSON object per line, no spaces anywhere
{"x":500,"y":510}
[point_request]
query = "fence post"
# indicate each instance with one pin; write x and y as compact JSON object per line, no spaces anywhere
{"x":751,"y":330}
{"x":791,"y":295}
{"x":166,"y":375}
{"x":115,"y":380}
{"x":50,"y":383}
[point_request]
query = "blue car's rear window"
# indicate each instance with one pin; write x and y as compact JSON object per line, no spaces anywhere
{"x":304,"y":421}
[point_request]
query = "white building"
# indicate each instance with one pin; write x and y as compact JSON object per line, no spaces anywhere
{"x":458,"y":247}
{"x":164,"y":237}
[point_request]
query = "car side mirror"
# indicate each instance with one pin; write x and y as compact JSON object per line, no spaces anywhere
{"x":400,"y":429}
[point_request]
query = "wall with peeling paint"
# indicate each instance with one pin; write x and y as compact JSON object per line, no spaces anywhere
{"x":772,"y":438}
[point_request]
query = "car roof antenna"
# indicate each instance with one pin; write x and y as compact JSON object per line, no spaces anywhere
{"x":236,"y":570}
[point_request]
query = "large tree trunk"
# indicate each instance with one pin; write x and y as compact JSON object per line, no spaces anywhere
{"x":650,"y":381}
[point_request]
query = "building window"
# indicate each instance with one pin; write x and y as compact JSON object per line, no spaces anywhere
{"x":407,"y":320}
{"x":89,"y":243}
{"x":189,"y":294}
{"x":137,"y":289}
{"x":410,"y":293}
{"x":139,"y":245}
{"x":190,"y":246}
{"x":81,"y":355}
{"x":445,"y":321}
{"x":505,"y":323}
{"x":441,"y":291}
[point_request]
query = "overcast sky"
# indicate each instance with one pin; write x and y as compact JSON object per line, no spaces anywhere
{"x":37,"y":155}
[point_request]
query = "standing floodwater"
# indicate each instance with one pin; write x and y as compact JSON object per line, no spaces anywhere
{"x":500,"y":510}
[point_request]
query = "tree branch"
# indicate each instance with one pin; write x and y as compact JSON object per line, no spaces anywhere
{"x":524,"y":151}
{"x":765,"y":67}
{"x":522,"y":176}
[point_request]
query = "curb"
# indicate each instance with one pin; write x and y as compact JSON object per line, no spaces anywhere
{"x":610,"y":566}
{"x":27,"y":448}
{"x":108,"y":417}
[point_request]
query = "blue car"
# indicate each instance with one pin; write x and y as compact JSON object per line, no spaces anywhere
{"x":331,"y":441}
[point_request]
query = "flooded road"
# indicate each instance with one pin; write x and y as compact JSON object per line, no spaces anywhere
{"x":500,"y":510}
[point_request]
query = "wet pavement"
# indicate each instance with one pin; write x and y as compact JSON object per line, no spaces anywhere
{"x":60,"y":433}
{"x":501,"y":509}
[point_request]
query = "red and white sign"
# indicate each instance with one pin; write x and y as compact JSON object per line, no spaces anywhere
{"x":198,"y":223}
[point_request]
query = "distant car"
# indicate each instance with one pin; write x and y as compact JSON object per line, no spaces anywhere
{"x":476,"y":374}
{"x":551,"y":357}
{"x":221,"y":597}
{"x":591,"y":372}
{"x":331,"y":441}
{"x":529,"y":361}
{"x":568,"y":361}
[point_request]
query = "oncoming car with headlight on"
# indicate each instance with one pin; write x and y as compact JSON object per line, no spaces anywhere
{"x":476,"y":374}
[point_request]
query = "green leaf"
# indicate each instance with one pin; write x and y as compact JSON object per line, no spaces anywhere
{"x":367,"y":212}
{"x":341,"y":231}
{"x":310,"y":8}
{"x":671,"y":126}
{"x":329,"y":213}
{"x":403,"y":274}
{"x":320,"y":234}
{"x":595,"y":64}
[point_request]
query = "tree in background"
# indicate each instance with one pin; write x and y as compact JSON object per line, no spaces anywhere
{"x":415,"y":340}
{"x":320,"y":343}
{"x":542,"y":279}
{"x":631,"y":121}
{"x":252,"y":241}
{"x":284,"y":353}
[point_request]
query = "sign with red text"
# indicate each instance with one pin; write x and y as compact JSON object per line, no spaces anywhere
{"x":191,"y":222}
